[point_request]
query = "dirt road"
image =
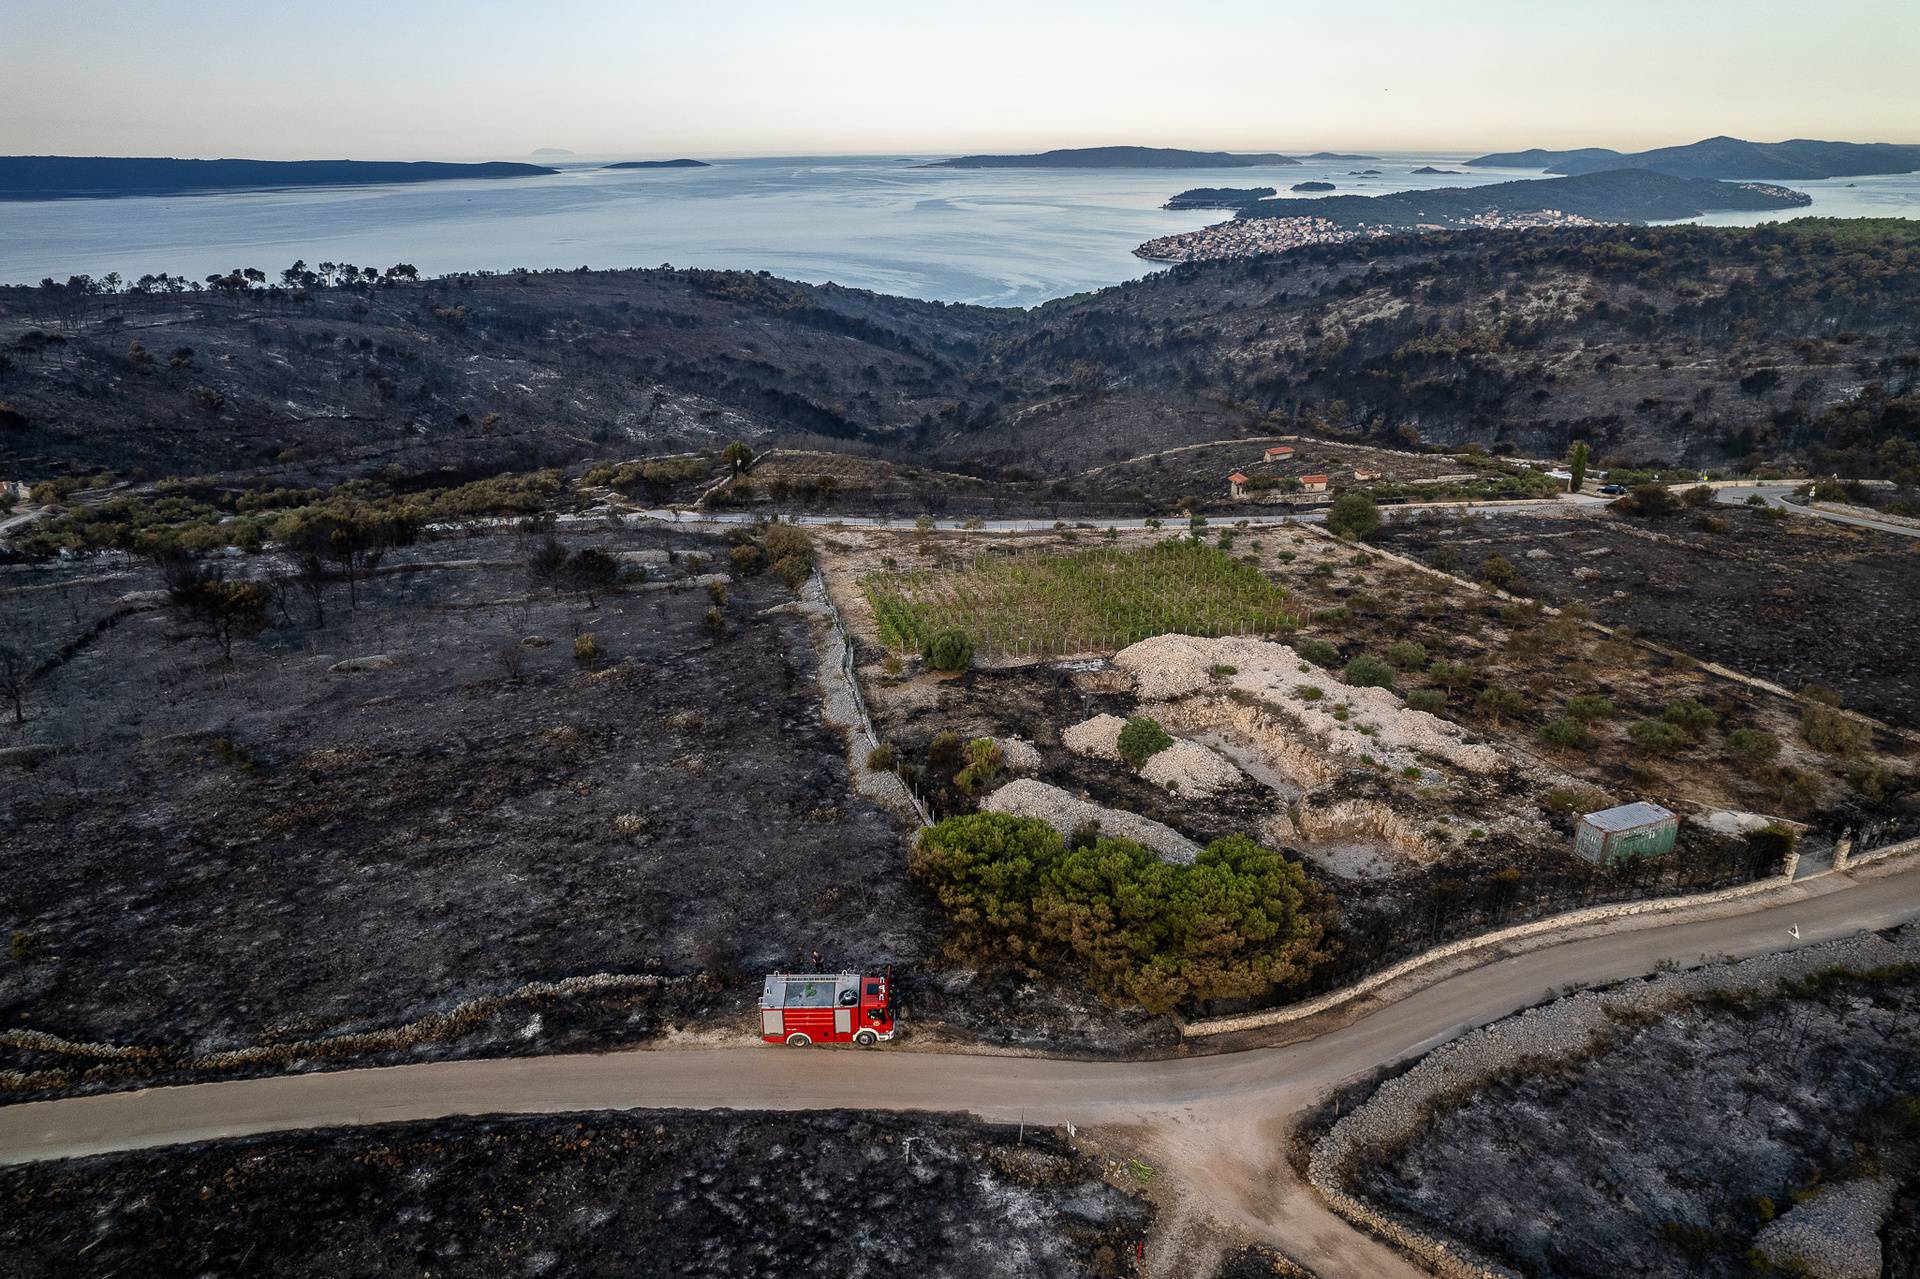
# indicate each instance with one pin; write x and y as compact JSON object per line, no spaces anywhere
{"x":1215,"y":1124}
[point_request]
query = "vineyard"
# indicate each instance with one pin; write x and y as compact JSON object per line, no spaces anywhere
{"x":1053,"y":603}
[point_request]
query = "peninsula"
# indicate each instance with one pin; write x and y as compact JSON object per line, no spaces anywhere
{"x":64,"y":177}
{"x":1116,"y":158}
{"x":659,"y":164}
{"x":1797,"y":159}
{"x":1218,"y":197}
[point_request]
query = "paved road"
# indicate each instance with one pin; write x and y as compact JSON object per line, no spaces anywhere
{"x":1215,"y":1123}
{"x":1777,"y":495}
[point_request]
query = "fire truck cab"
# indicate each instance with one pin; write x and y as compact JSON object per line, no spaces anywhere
{"x":826,"y":1008}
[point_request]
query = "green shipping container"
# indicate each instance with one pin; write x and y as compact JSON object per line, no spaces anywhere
{"x":1631,"y":830}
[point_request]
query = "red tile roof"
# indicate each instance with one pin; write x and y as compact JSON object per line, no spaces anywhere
{"x":1236,"y":478}
{"x":1313,"y":479}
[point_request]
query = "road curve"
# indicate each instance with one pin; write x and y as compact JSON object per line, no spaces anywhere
{"x":1217,"y":1126}
{"x":1047,"y":1090}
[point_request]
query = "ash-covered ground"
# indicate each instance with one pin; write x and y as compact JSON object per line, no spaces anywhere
{"x":1796,"y":601}
{"x":1666,"y":1151}
{"x":266,"y":851}
{"x":678,"y":1193}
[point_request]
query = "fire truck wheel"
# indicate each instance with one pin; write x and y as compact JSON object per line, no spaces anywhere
{"x":866,"y":1039}
{"x":799,"y":1039}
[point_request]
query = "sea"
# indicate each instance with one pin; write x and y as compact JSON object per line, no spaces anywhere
{"x":996,"y":237}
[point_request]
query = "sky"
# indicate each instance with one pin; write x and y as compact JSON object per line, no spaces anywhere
{"x":471,"y":79}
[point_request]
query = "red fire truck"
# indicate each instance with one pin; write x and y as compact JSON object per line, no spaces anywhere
{"x":826,"y":1008}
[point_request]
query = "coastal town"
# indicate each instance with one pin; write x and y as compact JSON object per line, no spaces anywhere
{"x":1252,"y":237}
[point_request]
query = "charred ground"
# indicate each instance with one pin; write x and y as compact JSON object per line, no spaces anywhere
{"x":694,"y":1194}
{"x":1700,"y":344}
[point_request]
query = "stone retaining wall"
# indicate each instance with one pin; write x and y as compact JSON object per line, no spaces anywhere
{"x":1466,"y":945}
{"x":1844,"y":858}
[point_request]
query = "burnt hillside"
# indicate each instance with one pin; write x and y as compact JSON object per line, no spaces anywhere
{"x":1677,"y":344}
{"x":472,"y":372}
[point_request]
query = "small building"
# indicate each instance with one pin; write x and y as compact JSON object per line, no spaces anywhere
{"x":1278,"y":453}
{"x":1237,"y":484}
{"x":1313,"y":483}
{"x":1362,"y":475}
{"x":1631,"y":830}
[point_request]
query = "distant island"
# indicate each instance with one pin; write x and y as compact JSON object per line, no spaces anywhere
{"x":63,"y":177}
{"x":1429,"y":169}
{"x":1340,"y":155}
{"x":1218,"y":197}
{"x":1797,"y":159}
{"x":1363,"y":173}
{"x":1311,"y":186}
{"x":659,"y":164}
{"x":1622,"y":195}
{"x":1115,"y":158}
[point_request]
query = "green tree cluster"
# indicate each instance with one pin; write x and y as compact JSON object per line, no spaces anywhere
{"x":1237,"y":922}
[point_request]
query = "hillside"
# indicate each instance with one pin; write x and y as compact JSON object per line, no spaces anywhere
{"x":1115,"y":158}
{"x":1623,"y":195}
{"x":1797,"y":159}
{"x":1676,"y":344}
{"x":62,"y":177}
{"x":1691,"y":344}
{"x":472,"y":372}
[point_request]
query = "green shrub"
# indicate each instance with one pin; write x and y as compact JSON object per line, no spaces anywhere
{"x":948,"y":651}
{"x":984,"y":762}
{"x":1308,"y":693}
{"x":1451,"y":675}
{"x":1830,"y":730}
{"x":1690,"y":717}
{"x":1141,"y":739}
{"x":881,"y":759}
{"x":1353,"y":515}
{"x":1318,"y":651}
{"x":1237,"y":922}
{"x":1566,"y":733}
{"x":1657,"y":737}
{"x":1408,"y":655}
{"x":1752,"y":745}
{"x":1498,"y":703}
{"x":1589,"y":708}
{"x":1430,"y":700}
{"x":1367,"y":671}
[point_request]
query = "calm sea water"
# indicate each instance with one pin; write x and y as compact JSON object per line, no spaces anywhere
{"x":998,"y":237}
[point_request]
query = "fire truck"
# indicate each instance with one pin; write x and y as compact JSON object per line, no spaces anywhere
{"x":826,"y":1008}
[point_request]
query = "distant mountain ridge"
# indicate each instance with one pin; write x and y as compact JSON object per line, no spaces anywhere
{"x":659,"y":164}
{"x":1618,"y":195}
{"x":1115,"y":158}
{"x":1801,"y":159}
{"x":56,"y":177}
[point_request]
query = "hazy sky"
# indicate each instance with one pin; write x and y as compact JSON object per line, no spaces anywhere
{"x":413,"y":79}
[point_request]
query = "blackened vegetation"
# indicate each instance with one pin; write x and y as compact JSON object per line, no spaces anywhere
{"x":1796,"y":601}
{"x":1667,"y":1147}
{"x":222,"y":842}
{"x":479,"y":373}
{"x":693,"y":1194}
{"x":1644,"y":342}
{"x":1674,"y":343}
